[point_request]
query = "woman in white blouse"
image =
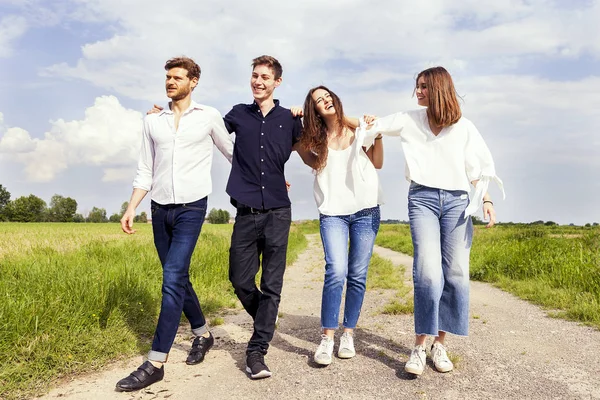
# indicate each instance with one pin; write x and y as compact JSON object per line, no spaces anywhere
{"x":346,"y":191}
{"x":444,"y":154}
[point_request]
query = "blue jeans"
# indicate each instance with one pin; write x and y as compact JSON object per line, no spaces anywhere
{"x":442,"y":243}
{"x":176,"y":229}
{"x":343,"y":263}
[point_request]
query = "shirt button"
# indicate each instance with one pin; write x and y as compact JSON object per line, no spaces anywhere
{"x":263,"y":122}
{"x":262,"y":173}
{"x":261,"y":147}
{"x":263,"y":187}
{"x":261,"y":134}
{"x":261,"y":160}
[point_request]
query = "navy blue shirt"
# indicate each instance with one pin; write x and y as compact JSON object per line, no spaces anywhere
{"x":263,"y":143}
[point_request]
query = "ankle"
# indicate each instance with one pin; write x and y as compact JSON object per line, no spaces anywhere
{"x":330,"y":333}
{"x":206,"y":334}
{"x":156,"y":364}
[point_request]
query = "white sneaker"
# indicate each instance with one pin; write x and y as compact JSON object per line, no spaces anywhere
{"x":416,"y":363}
{"x":323,"y":355}
{"x":440,"y":358}
{"x":346,"y":349}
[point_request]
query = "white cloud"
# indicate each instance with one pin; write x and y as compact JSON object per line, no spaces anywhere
{"x":12,"y":27}
{"x":308,"y":38}
{"x":108,"y":137}
{"x":16,"y":140}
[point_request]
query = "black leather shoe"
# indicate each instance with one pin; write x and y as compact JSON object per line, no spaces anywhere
{"x":199,"y":349}
{"x":144,"y":376}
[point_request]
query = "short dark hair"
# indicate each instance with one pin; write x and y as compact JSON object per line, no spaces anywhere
{"x":193,"y":69}
{"x":271,"y":62}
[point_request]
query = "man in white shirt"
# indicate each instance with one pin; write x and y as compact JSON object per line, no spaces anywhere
{"x":175,"y":162}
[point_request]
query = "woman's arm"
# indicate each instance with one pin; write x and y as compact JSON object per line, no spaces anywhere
{"x":375,"y":152}
{"x":488,"y":207}
{"x":308,"y":157}
{"x":352,"y":122}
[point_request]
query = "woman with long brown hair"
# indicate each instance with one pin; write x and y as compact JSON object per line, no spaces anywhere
{"x":346,"y":190}
{"x":444,"y":154}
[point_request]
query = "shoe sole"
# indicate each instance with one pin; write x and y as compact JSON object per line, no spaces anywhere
{"x":413,"y":371}
{"x":444,"y":370}
{"x":262,"y":374}
{"x":122,"y":389}
{"x":346,"y":356}
{"x":322,"y":362}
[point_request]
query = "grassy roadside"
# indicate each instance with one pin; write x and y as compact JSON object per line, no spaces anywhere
{"x":383,"y":274}
{"x":76,"y":296}
{"x":555,"y":267}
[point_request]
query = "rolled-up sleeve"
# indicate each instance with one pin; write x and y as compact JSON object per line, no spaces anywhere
{"x":143,"y":177}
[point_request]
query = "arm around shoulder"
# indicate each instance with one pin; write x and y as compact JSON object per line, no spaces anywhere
{"x":308,"y":157}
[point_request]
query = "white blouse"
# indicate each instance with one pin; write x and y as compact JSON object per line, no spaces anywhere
{"x":349,"y":182}
{"x":451,"y":160}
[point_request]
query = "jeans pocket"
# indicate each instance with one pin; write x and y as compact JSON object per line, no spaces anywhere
{"x":414,"y":186}
{"x":198,"y":205}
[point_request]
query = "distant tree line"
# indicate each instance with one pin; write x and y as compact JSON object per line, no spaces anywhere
{"x":218,"y":216}
{"x":61,"y":209}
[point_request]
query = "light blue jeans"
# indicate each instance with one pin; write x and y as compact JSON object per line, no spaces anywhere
{"x":346,"y":264}
{"x":442,"y":243}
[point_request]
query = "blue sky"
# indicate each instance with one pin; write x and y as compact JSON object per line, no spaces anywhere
{"x":77,"y":76}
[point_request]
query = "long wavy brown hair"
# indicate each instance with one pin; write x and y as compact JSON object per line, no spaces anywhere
{"x":314,"y":135}
{"x":443,"y":107}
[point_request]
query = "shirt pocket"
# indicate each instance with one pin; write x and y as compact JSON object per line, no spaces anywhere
{"x":281,"y":134}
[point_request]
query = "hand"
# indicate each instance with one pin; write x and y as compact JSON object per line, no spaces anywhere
{"x":288,"y":185}
{"x":369,"y":119}
{"x":297,"y":111}
{"x":489,"y":212}
{"x":156,"y":109}
{"x":127,"y":222}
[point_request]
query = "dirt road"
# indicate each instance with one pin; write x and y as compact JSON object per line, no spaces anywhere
{"x":514,"y":351}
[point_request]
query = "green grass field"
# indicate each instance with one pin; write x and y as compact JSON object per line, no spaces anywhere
{"x":555,"y":267}
{"x":76,"y":296}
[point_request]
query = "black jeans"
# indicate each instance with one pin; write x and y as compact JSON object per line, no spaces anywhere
{"x":254,"y":234}
{"x":176,"y":229}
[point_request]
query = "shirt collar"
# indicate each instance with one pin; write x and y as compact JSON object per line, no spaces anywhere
{"x":193,"y":106}
{"x":255,"y":106}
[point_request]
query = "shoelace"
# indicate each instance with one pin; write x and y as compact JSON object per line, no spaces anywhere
{"x":417,"y":356}
{"x":442,"y":356}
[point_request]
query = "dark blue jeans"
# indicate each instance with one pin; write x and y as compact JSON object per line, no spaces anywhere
{"x":176,"y":229}
{"x":254,"y":235}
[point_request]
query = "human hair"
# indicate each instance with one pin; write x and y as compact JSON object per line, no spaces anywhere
{"x":193,"y":69}
{"x":443,"y":107}
{"x":314,"y":135}
{"x":270,"y":62}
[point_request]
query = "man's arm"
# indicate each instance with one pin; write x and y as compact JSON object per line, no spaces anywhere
{"x":127,"y":220}
{"x":143,"y":179}
{"x":221,"y":137}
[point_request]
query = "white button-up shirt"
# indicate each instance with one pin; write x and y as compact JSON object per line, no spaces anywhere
{"x":451,"y":160}
{"x":175,"y":164}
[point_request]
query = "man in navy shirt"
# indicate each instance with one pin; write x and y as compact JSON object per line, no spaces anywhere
{"x":265,"y":135}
